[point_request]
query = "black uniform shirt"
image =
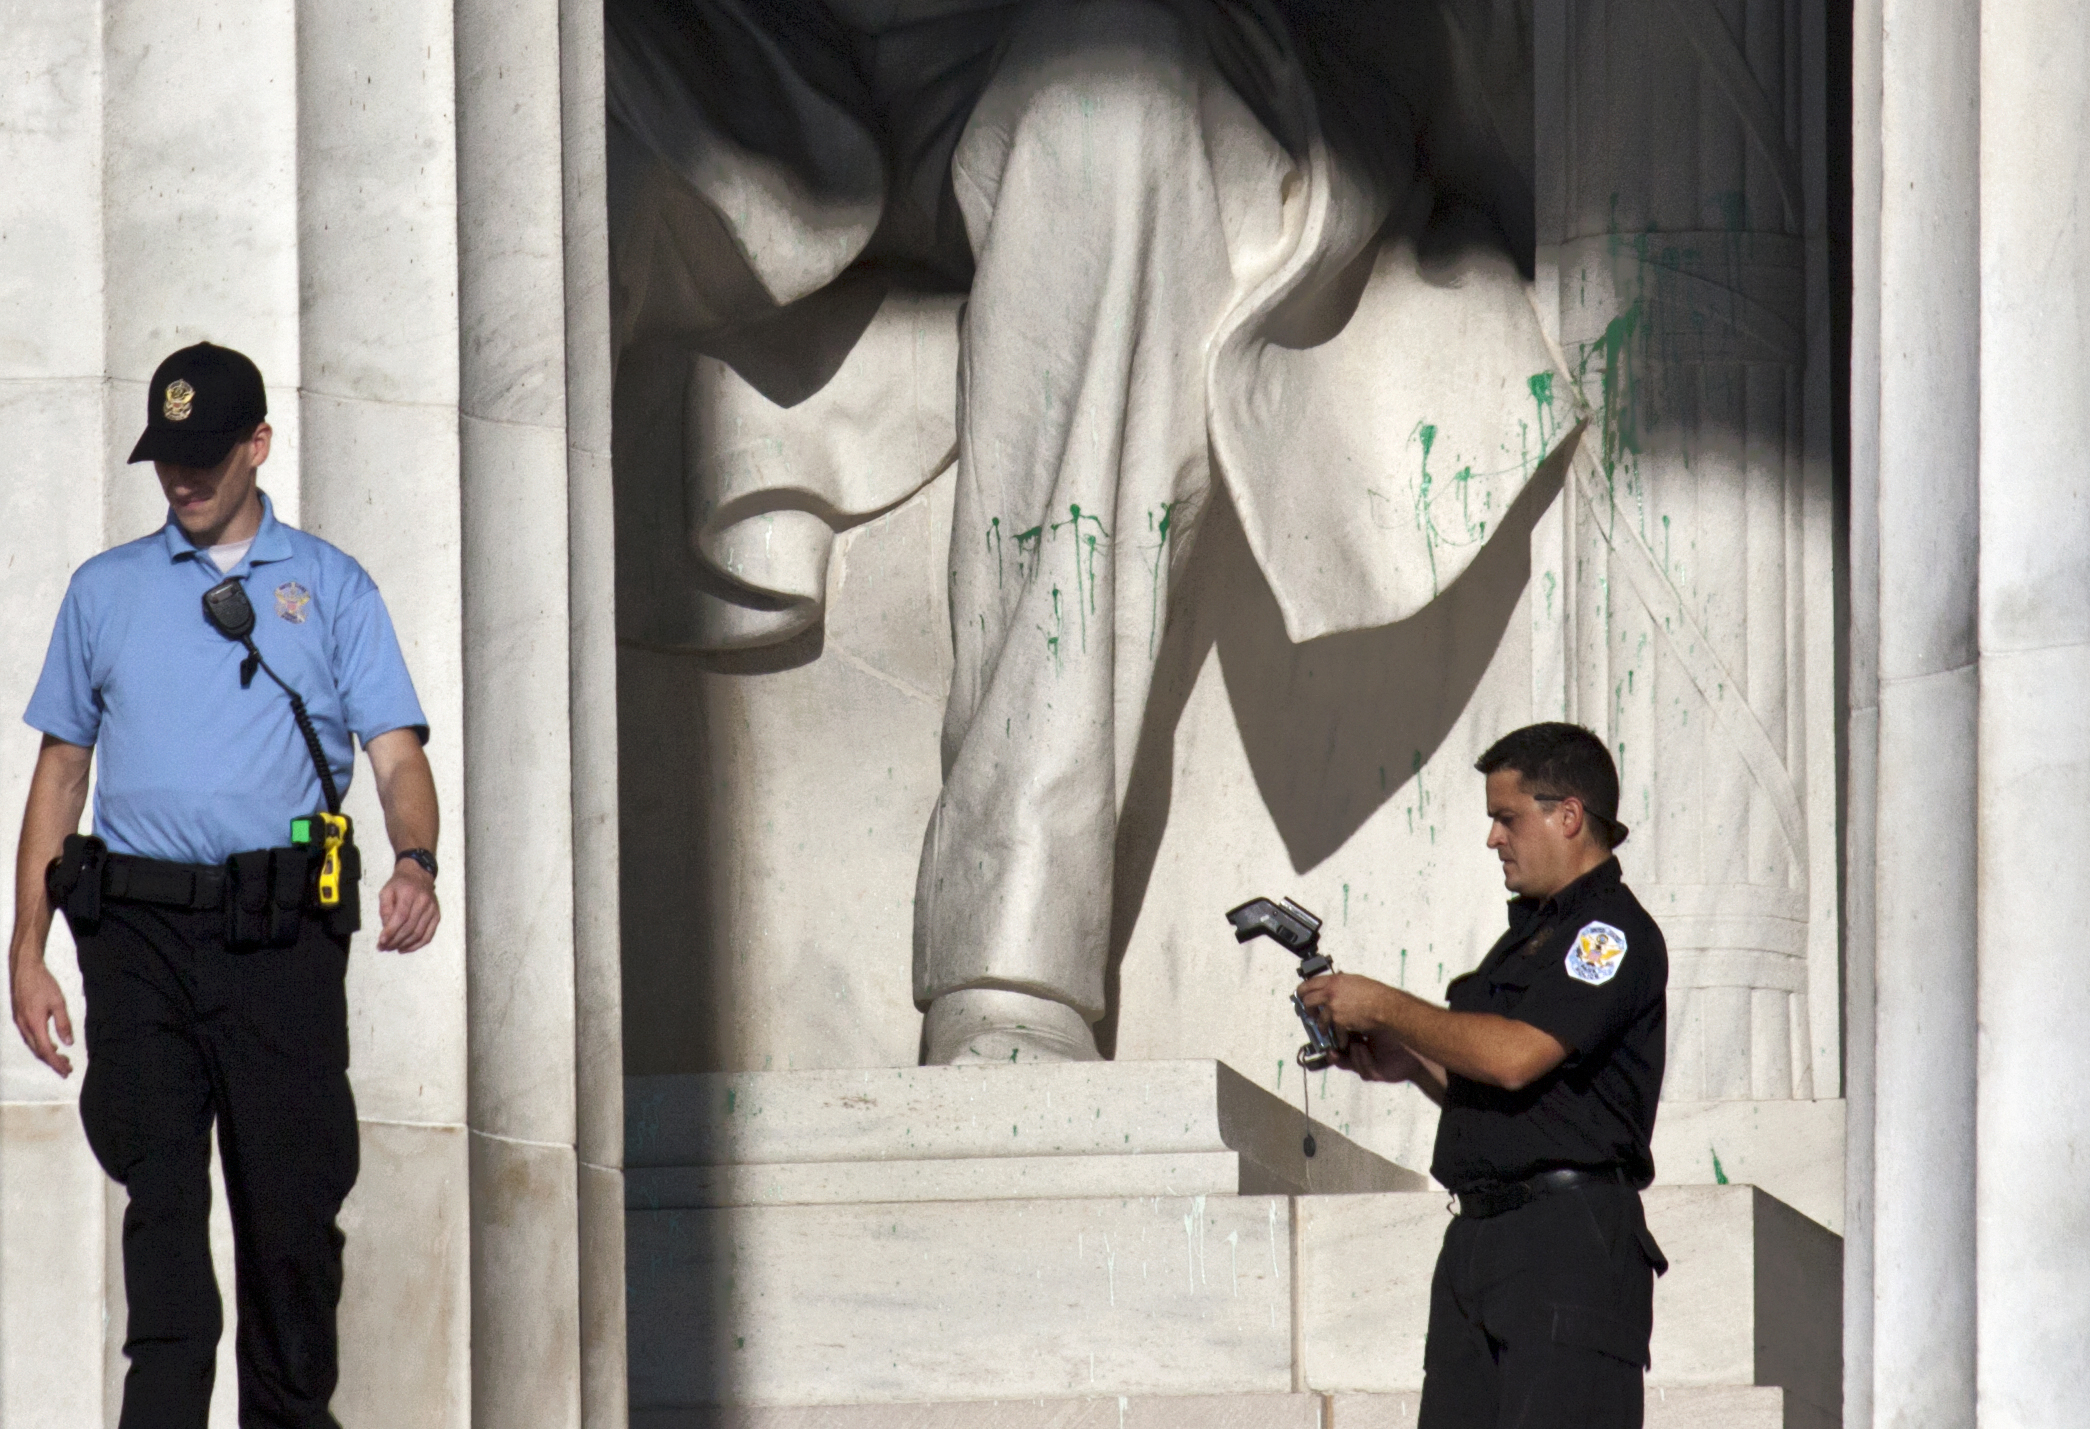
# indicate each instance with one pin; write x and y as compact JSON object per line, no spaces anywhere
{"x":1589,"y":967}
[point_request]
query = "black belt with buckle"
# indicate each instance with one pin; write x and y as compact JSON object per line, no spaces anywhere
{"x":1485,"y":1201}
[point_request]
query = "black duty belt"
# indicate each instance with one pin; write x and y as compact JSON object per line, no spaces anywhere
{"x":197,"y":886}
{"x":1485,"y":1201}
{"x":265,"y":892}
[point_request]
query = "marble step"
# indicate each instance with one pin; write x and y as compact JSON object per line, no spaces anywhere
{"x":916,"y":1302}
{"x":1080,"y":1129}
{"x":1711,"y":1407}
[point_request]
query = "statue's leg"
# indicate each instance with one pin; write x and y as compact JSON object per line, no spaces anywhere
{"x":1111,"y":183}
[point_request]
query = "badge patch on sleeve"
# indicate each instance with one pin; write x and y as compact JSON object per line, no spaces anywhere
{"x":1595,"y":954}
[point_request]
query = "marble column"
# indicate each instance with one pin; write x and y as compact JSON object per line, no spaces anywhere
{"x":1862,"y":726}
{"x":518,"y":759}
{"x":598,"y":1011}
{"x":1688,"y":254}
{"x":2033,"y":1111}
{"x":52,"y":1213}
{"x":1923,"y":1343}
{"x":376,"y":267}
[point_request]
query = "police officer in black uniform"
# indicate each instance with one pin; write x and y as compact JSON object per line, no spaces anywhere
{"x":1548,"y":1066}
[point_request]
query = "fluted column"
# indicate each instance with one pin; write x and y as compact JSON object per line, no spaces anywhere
{"x":2032,"y":1216}
{"x":518,"y":765}
{"x":598,"y":1024}
{"x":378,"y":333}
{"x":1930,"y":413}
{"x":1862,"y":729}
{"x":52,"y":1220}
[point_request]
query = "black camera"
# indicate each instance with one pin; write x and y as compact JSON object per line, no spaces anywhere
{"x":1299,"y":933}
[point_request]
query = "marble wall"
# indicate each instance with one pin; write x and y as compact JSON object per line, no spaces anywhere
{"x":371,"y":200}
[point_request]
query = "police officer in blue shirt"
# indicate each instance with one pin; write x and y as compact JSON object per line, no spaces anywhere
{"x":1548,"y":1066}
{"x":213,"y":903}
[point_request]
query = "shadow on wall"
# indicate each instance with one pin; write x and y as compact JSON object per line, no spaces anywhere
{"x":1333,"y":727}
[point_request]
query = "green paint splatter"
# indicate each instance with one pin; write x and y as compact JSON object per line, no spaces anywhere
{"x":1719,"y":1171}
{"x":1161,"y":528}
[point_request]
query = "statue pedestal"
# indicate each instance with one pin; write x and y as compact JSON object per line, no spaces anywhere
{"x":978,"y":1133}
{"x":1136,"y":1243}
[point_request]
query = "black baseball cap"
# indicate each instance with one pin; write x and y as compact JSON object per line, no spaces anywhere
{"x":201,"y":401}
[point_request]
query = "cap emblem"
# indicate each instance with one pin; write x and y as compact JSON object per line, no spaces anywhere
{"x":180,"y":397}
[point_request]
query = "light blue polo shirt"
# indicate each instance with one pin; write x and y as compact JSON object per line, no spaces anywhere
{"x":190,"y":766}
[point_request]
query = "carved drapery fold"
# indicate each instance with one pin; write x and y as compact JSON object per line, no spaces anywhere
{"x":1688,"y":566}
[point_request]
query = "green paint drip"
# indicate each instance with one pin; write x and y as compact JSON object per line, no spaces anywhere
{"x":1161,"y":530}
{"x":1719,"y":1171}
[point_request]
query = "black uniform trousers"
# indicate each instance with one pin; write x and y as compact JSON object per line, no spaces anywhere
{"x":1539,"y":1317}
{"x":182,"y":1033}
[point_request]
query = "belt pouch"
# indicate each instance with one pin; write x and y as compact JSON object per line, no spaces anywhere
{"x":346,"y":917}
{"x":74,"y":882}
{"x":247,"y":901}
{"x":290,"y":893}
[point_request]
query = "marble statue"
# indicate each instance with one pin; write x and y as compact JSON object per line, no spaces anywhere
{"x":1104,"y":256}
{"x":1693,"y":278}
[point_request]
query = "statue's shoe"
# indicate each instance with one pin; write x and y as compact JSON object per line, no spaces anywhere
{"x":989,"y":1025}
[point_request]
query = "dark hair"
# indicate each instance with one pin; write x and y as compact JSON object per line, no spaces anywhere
{"x":1559,"y":761}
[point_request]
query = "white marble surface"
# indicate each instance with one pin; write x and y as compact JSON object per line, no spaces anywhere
{"x":50,"y":209}
{"x":852,"y":1304}
{"x":200,"y":223}
{"x":999,"y":1178}
{"x":2034,"y":606}
{"x":405,"y":1302}
{"x":51,"y":1263}
{"x":935,"y":1133}
{"x":516,"y":751}
{"x":525,"y":1295}
{"x":1128,"y":1411}
{"x":950,"y":1300}
{"x":1740,"y":1407}
{"x":511,"y":260}
{"x":1736,"y":1407}
{"x":377,"y":213}
{"x":1929,"y":383}
{"x":1792,"y":1149}
{"x":406,"y":1014}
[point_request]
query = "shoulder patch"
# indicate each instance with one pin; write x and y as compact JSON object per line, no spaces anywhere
{"x":1593,"y":957}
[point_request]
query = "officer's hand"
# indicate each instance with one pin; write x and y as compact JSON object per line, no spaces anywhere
{"x":1379,"y":1060}
{"x":1352,"y":1002}
{"x":408,"y":909}
{"x":38,"y":1003}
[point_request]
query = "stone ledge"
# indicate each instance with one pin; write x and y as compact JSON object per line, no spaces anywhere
{"x":1719,"y":1407}
{"x":979,"y":1133}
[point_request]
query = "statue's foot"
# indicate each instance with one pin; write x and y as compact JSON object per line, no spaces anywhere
{"x":978,"y":1024}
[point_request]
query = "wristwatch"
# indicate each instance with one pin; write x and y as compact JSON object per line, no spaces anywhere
{"x":422,"y":856}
